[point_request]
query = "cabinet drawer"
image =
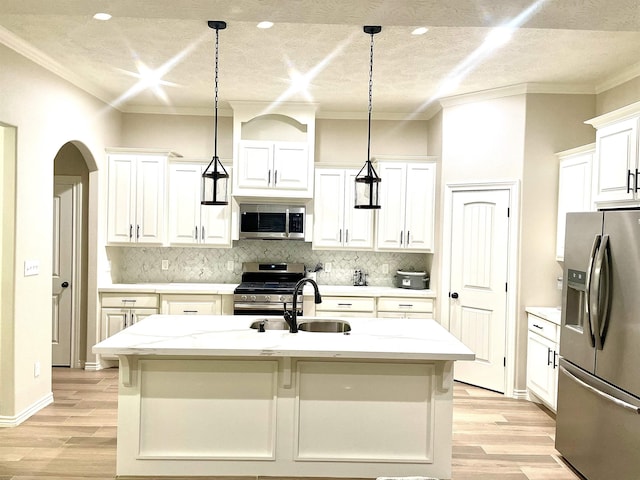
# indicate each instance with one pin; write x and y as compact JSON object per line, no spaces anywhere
{"x":405,"y":304}
{"x":133,"y":300}
{"x":184,"y":304}
{"x":340,"y":304}
{"x":544,"y":328}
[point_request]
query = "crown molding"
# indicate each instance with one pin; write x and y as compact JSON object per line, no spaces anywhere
{"x":169,"y":110}
{"x":20,"y":46}
{"x":520,"y":89}
{"x":617,"y":80}
{"x":624,"y":113}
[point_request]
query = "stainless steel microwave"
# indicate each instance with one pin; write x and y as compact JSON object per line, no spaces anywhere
{"x":270,"y":221}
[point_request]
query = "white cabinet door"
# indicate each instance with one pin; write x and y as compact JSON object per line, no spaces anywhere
{"x":187,"y":304}
{"x":273,"y":165}
{"x":290,"y":166}
{"x":255,"y":164}
{"x":358,"y":223}
{"x":407,"y":206}
{"x":614,"y":173}
{"x":541,"y":370}
{"x":328,"y":218}
{"x":574,"y":192}
{"x":189,"y":222}
{"x":420,"y":207}
{"x":184,"y":203}
{"x":336,"y":222}
{"x":392,"y":205}
{"x":121,"y":199}
{"x":113,"y":320}
{"x":136,"y":199}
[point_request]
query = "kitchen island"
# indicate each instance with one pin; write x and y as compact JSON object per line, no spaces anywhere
{"x":210,"y":396}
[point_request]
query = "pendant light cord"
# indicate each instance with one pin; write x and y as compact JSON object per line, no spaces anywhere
{"x":215,"y":127}
{"x":370,"y":100}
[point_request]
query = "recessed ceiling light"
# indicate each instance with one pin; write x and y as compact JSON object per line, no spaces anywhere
{"x":102,"y":16}
{"x":420,"y":31}
{"x":265,"y":25}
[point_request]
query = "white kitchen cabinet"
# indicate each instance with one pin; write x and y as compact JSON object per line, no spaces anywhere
{"x":346,"y":306}
{"x":136,"y":198}
{"x":191,"y":304}
{"x":337,"y":224}
{"x":543,"y":338}
{"x":121,"y":310}
{"x":273,"y":166}
{"x":191,"y":223}
{"x":405,"y":307}
{"x":407,"y":206}
{"x":574,"y":188}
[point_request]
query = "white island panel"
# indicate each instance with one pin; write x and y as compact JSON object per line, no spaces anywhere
{"x":360,"y":411}
{"x":203,"y":409}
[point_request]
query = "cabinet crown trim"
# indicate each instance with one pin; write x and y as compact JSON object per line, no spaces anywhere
{"x":624,"y":113}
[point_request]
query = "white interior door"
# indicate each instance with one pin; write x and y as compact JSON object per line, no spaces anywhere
{"x":63,"y":263}
{"x":478,"y":284}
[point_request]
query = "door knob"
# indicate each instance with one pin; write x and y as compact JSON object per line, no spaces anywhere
{"x":64,"y":284}
{"x":454,"y":295}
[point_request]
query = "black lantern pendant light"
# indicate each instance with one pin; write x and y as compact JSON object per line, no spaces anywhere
{"x":215,"y":179}
{"x":367,"y":180}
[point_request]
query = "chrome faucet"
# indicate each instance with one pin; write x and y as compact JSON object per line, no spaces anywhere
{"x":291,"y":317}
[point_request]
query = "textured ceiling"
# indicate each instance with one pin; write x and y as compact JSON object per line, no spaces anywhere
{"x":575,"y":45}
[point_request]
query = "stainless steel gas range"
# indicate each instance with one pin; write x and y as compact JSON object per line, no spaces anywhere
{"x":267,"y":289}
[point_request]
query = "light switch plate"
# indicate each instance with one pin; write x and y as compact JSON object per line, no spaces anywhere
{"x":327,"y":267}
{"x":31,"y":267}
{"x":165,"y":264}
{"x":230,"y":265}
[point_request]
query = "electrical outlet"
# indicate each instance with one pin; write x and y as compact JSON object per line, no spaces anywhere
{"x":385,"y":268}
{"x":31,"y":267}
{"x":36,"y":370}
{"x":327,"y":267}
{"x":230,"y":265}
{"x":165,"y":264}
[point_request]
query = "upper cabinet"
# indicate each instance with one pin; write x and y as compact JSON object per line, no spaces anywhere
{"x":136,"y":197}
{"x":266,"y":165}
{"x":616,"y":176}
{"x":407,"y":205}
{"x":574,"y":188}
{"x":273,"y":150}
{"x":191,"y":223}
{"x":337,"y":224}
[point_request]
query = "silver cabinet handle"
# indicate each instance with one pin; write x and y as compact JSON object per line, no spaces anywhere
{"x":401,"y":233}
{"x":275,"y":178}
{"x":408,"y":233}
{"x":269,"y":178}
{"x":405,"y":305}
{"x":137,"y":231}
{"x":130,"y":231}
{"x":340,"y":236}
{"x":202,"y":233}
{"x":346,"y":236}
{"x":124,"y":322}
{"x":196,"y":235}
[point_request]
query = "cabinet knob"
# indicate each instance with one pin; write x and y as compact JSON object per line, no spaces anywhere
{"x":64,"y":284}
{"x":454,"y":295}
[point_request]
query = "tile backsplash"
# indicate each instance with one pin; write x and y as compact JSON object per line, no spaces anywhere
{"x":209,"y":265}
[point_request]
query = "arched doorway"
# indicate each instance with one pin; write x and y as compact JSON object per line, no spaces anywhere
{"x":72,"y":166}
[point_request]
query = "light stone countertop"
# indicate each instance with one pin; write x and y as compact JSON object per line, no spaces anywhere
{"x":552,"y":314}
{"x":228,"y":335}
{"x":227,"y":289}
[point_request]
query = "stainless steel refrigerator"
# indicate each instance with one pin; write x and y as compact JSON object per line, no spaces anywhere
{"x":598,"y":411}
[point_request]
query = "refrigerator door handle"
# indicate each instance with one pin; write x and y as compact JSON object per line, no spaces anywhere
{"x":601,"y":282}
{"x":587,"y":301}
{"x":606,"y":396}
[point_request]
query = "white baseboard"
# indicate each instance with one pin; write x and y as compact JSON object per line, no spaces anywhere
{"x":521,"y":394}
{"x":14,"y":421}
{"x":92,"y":366}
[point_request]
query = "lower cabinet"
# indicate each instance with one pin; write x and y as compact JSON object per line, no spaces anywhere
{"x":542,"y":360}
{"x":405,"y":307}
{"x":121,"y":310}
{"x":197,"y":304}
{"x":346,"y":307}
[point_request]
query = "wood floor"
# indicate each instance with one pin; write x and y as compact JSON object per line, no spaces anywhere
{"x":495,"y":437}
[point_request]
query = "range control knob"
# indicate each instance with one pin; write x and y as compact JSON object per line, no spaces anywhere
{"x":243,"y":298}
{"x":253,"y":298}
{"x":267,"y":298}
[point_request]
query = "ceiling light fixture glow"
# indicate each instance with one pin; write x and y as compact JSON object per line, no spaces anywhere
{"x":420,"y":31}
{"x":102,"y":16}
{"x":264,"y":25}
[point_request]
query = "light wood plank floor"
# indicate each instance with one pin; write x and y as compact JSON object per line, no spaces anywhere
{"x":495,"y":437}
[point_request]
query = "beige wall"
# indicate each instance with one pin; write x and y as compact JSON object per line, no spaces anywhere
{"x":617,"y":97}
{"x":47,"y":112}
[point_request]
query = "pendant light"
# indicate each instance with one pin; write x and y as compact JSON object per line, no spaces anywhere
{"x":215,"y":179}
{"x":367,"y":180}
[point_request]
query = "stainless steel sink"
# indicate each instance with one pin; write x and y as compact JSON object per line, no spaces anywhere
{"x":326,"y":326}
{"x":270,"y":324}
